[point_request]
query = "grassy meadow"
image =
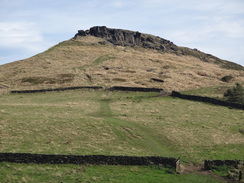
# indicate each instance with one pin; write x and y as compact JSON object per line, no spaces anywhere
{"x":86,"y":122}
{"x":119,"y":123}
{"x":11,"y":173}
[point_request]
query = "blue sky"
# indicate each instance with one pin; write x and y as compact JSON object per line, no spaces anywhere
{"x":28,"y":27}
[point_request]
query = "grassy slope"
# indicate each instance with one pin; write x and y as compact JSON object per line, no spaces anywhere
{"x":99,"y":122}
{"x":11,"y":173}
{"x":86,"y":62}
{"x":114,"y":123}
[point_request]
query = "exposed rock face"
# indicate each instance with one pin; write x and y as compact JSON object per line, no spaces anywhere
{"x":132,"y":38}
{"x":129,"y":38}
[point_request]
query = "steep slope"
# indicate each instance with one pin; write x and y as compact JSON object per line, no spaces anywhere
{"x":109,"y":57}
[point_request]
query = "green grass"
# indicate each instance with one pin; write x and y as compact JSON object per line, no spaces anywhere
{"x":102,"y":59}
{"x":213,"y":91}
{"x":63,"y":44}
{"x":114,"y":123}
{"x":195,"y":130}
{"x":222,"y":170}
{"x":11,"y":173}
{"x":119,"y":123}
{"x":96,"y":62}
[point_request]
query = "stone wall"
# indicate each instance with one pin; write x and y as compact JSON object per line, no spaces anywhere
{"x":115,"y":88}
{"x":139,"y":89}
{"x":235,"y":168}
{"x":58,"y":89}
{"x":209,"y":164}
{"x":88,"y":159}
{"x":207,"y":100}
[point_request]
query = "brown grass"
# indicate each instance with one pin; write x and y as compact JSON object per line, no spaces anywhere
{"x":127,"y":67}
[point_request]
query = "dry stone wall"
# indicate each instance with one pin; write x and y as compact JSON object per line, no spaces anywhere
{"x":235,"y":167}
{"x":207,"y":100}
{"x":209,"y":164}
{"x":139,"y":89}
{"x":58,"y":89}
{"x":115,"y":88}
{"x":88,"y":159}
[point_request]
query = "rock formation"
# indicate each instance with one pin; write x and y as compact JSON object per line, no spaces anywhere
{"x":122,"y":37}
{"x":129,"y":38}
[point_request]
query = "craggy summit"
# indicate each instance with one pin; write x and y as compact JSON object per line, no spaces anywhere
{"x":121,"y":37}
{"x":108,"y":57}
{"x":129,"y":38}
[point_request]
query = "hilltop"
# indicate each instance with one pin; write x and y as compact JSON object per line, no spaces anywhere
{"x":115,"y":57}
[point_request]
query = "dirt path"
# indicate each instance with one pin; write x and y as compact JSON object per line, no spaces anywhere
{"x":192,"y":168}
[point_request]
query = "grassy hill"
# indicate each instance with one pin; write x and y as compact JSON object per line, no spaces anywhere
{"x":90,"y":60}
{"x":118,"y":123}
{"x":115,"y":123}
{"x":86,"y":122}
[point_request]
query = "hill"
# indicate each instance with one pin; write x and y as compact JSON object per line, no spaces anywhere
{"x":116,"y":57}
{"x":89,"y":122}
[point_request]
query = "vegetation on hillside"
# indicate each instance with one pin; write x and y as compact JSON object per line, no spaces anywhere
{"x":119,"y":123}
{"x":227,"y":79}
{"x":114,"y":123}
{"x":210,"y":58}
{"x":93,"y":61}
{"x":31,"y":173}
{"x":235,"y":94}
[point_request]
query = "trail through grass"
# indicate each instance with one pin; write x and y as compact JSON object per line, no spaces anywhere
{"x":131,"y":134}
{"x":119,"y":123}
{"x":114,"y":123}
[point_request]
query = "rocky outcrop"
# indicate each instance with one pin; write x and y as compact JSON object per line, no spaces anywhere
{"x":129,"y":38}
{"x":122,"y":37}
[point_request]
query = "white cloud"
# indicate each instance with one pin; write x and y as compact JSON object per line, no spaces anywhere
{"x":37,"y":25}
{"x":217,"y":27}
{"x":20,"y":40}
{"x":221,"y":6}
{"x":229,"y":28}
{"x":18,"y":33}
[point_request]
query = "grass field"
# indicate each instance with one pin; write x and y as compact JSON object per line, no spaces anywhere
{"x":11,"y":173}
{"x":115,"y":123}
{"x":118,"y":123}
